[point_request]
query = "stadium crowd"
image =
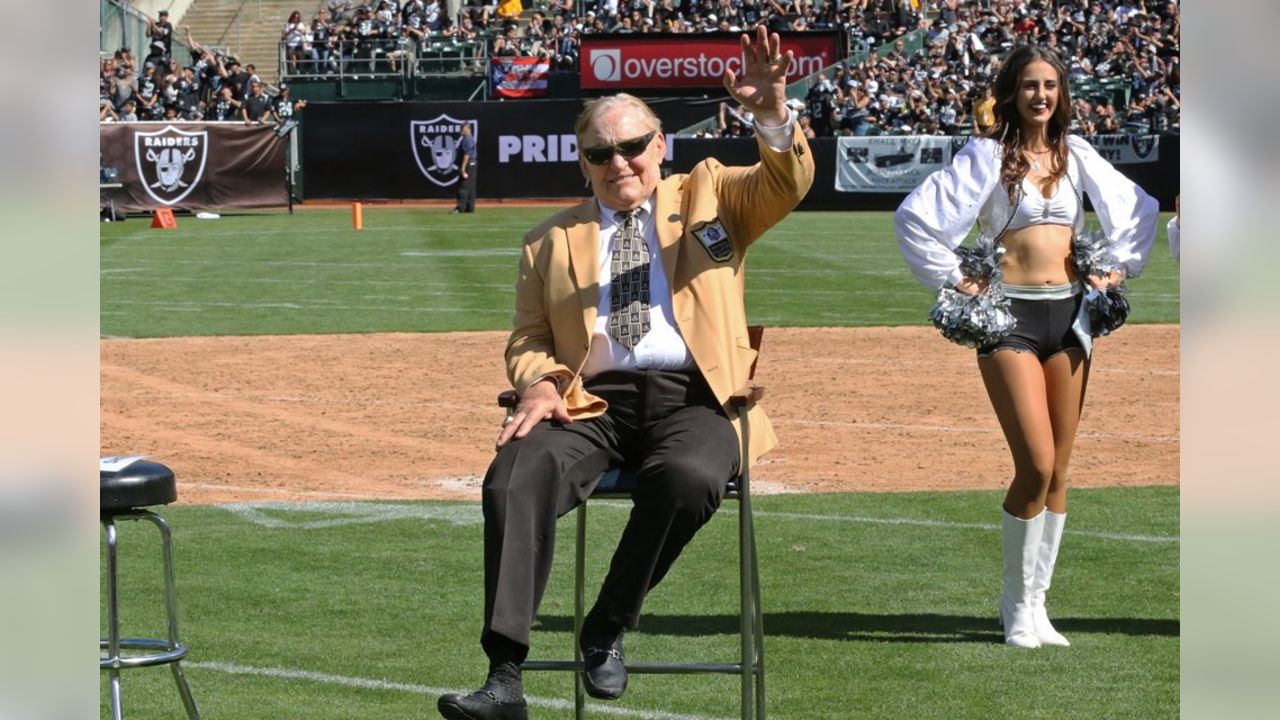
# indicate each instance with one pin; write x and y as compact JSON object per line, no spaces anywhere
{"x":909,"y":74}
{"x":211,"y":86}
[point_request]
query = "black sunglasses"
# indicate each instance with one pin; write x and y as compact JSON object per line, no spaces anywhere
{"x":602,"y":154}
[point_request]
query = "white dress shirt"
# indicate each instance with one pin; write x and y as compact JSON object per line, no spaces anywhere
{"x":663,"y":347}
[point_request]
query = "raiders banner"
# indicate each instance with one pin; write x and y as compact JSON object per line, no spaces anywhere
{"x":890,"y":163}
{"x":194,"y":165}
{"x":1126,"y":149}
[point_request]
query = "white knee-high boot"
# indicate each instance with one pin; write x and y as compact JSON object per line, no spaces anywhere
{"x":1021,"y":549}
{"x":1046,"y":558}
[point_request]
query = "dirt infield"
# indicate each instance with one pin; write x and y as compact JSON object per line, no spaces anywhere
{"x":413,"y":416}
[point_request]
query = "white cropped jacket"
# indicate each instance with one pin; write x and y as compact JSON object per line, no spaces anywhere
{"x":939,"y":214}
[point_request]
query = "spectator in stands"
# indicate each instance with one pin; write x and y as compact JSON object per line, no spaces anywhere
{"x":509,"y":44}
{"x":225,"y":106}
{"x":123,"y":89}
{"x":467,"y":30}
{"x":188,"y":95}
{"x":510,"y":9}
{"x":256,"y":105}
{"x":237,"y":79}
{"x":366,"y":36}
{"x":563,"y":8}
{"x":416,"y":26}
{"x":855,"y":112}
{"x":284,"y":107}
{"x":321,"y":41}
{"x":148,"y":94}
{"x":342,"y":12}
{"x":734,"y":121}
{"x":296,"y":37}
{"x":951,"y":115}
{"x":161,"y":33}
{"x":821,"y":104}
{"x":124,"y":61}
{"x":984,"y":116}
{"x":567,"y":50}
{"x":127,"y":113}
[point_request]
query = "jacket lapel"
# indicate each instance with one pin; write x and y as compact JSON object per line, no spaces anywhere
{"x":666,"y":205}
{"x":584,"y":257}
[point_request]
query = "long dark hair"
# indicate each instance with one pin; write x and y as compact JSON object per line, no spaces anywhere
{"x":1008,"y":127}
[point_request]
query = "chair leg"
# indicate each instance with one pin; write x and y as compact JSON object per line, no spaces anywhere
{"x":758,"y":617}
{"x":579,"y":563}
{"x":745,"y":609}
{"x":749,"y":573}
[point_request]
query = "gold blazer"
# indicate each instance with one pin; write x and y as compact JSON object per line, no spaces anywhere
{"x":557,"y":291}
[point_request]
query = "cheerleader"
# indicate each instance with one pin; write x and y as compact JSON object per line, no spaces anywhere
{"x":1022,"y":182}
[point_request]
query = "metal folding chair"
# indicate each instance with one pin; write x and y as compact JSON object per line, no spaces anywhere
{"x":618,"y":483}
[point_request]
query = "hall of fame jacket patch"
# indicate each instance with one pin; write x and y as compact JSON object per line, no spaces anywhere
{"x":715,"y":240}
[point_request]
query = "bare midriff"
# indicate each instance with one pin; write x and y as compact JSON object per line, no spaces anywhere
{"x":1038,"y":255}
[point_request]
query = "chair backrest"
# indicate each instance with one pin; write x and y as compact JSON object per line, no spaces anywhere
{"x":755,"y":336}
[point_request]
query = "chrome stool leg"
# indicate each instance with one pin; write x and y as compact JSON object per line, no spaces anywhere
{"x":113,"y":618}
{"x":170,"y":651}
{"x":171,"y":608}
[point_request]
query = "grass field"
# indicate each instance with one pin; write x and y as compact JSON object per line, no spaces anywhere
{"x":424,"y":270}
{"x":370,"y":610}
{"x":876,"y":605}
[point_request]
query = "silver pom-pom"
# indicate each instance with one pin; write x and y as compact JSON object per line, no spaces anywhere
{"x":983,"y":259}
{"x":975,"y":320}
{"x":1092,"y":253}
{"x":1108,"y":309}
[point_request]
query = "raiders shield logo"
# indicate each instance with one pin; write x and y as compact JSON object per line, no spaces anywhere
{"x":1143,"y":145}
{"x":170,"y":162}
{"x":435,"y":146}
{"x":713,"y":237}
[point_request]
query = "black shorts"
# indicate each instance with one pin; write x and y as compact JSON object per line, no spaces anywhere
{"x":1043,"y":329}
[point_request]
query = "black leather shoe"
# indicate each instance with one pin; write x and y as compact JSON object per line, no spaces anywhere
{"x":501,"y":698}
{"x":606,"y":675}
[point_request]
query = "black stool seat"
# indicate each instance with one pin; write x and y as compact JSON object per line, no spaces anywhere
{"x":141,"y":484}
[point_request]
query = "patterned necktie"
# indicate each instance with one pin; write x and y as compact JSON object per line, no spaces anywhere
{"x":629,"y":289}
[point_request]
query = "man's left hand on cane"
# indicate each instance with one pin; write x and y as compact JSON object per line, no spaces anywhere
{"x":762,"y":89}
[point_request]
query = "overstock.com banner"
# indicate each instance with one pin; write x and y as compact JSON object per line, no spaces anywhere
{"x":620,"y":62}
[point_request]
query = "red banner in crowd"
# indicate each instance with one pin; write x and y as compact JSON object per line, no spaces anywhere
{"x":518,"y":77}
{"x":617,"y":62}
{"x":193,"y":165}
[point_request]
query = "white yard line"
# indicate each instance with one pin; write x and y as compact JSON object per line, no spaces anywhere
{"x":415,"y":689}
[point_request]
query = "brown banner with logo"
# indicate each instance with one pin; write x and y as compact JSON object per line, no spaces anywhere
{"x":193,"y":165}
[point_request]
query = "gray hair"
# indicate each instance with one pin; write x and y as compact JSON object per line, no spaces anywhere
{"x":593,"y":109}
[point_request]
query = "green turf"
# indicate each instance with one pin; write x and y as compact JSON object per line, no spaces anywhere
{"x":864,"y":619}
{"x":424,"y":270}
